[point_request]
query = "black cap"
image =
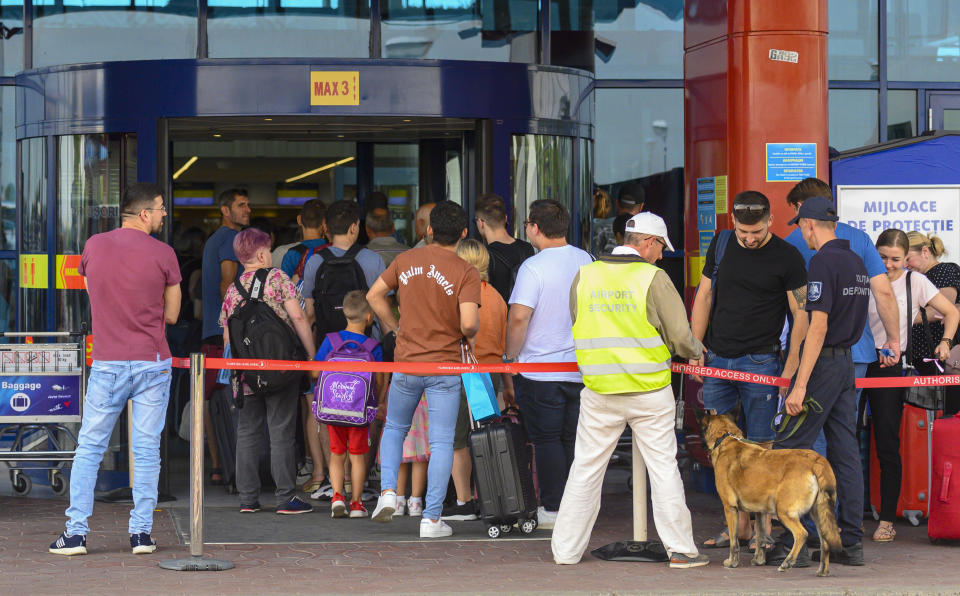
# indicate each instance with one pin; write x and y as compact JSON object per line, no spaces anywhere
{"x":816,"y":208}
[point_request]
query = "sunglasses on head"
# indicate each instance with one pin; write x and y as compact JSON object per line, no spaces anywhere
{"x":750,"y":208}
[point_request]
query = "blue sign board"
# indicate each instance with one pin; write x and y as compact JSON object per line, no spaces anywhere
{"x":706,"y":205}
{"x":791,"y":162}
{"x":39,"y":396}
{"x":705,"y":239}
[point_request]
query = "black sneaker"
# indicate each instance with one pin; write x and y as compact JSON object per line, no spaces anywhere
{"x":142,"y":544}
{"x":294,"y":506}
{"x":69,"y":545}
{"x":251,"y":508}
{"x":778,"y":554}
{"x":465,"y":512}
{"x":850,"y":555}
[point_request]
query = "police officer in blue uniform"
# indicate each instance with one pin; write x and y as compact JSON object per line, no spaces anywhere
{"x":837,"y":298}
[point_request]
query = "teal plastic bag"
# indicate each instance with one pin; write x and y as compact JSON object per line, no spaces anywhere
{"x":480,"y":396}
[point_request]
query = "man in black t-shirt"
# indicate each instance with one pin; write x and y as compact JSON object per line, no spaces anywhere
{"x":506,"y":252}
{"x":744,"y":295}
{"x":837,"y":298}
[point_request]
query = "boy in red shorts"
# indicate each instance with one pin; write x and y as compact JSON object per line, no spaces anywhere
{"x":352,"y":439}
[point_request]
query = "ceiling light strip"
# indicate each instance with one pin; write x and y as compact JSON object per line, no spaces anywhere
{"x":185,"y":167}
{"x":318,"y":170}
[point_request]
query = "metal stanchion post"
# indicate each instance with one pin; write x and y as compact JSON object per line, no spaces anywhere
{"x":196,"y":561}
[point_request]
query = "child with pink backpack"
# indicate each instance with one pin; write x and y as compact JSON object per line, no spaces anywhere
{"x":347,"y":402}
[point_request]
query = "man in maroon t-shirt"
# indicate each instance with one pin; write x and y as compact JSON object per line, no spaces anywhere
{"x":134,"y":285}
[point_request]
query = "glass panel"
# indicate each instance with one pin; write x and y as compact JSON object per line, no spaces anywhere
{"x":88,"y":193}
{"x":288,"y":28}
{"x":454,"y":172}
{"x":586,"y":193}
{"x":854,"y":119}
{"x":901,"y":114}
{"x":951,"y":120}
{"x":33,"y":172}
{"x":638,"y":39}
{"x":638,"y":132}
{"x":541,"y":168}
{"x":852,"y":44}
{"x":11,"y":36}
{"x":72,"y":31}
{"x":396,"y":173}
{"x":8,"y":168}
{"x":494,"y":30}
{"x":922,"y":41}
{"x":8,"y":286}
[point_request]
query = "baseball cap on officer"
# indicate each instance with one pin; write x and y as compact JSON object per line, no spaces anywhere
{"x":820,"y":208}
{"x":648,"y":223}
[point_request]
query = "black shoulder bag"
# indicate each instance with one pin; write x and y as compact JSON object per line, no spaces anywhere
{"x":928,"y":397}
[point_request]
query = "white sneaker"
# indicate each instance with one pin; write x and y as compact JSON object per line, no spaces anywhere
{"x":401,"y":507}
{"x":386,"y":505}
{"x":545,"y":519}
{"x":434,"y":529}
{"x":414,"y":508}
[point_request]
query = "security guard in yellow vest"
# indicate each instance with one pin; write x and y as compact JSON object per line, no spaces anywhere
{"x":628,"y":320}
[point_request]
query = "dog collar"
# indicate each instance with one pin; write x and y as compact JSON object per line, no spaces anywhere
{"x":720,"y":440}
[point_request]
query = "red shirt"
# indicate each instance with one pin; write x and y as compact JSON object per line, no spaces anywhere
{"x":127,"y":272}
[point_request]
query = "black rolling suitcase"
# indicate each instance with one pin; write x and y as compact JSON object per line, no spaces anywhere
{"x":224,"y":415}
{"x":504,"y":477}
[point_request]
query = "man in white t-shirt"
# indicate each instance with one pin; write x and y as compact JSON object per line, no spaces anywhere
{"x":539,"y":329}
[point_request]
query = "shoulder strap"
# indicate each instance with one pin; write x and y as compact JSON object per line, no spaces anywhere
{"x":242,"y":290}
{"x":910,"y":321}
{"x":723,"y":238}
{"x":352,"y":252}
{"x":257,"y":289}
{"x":370,"y":344}
{"x":335,"y":340}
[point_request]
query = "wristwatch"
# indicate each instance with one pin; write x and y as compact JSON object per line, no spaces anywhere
{"x":508,"y":360}
{"x":949,"y":341}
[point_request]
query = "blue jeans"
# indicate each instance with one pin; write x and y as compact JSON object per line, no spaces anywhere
{"x":111,"y":384}
{"x":758,"y":402}
{"x":443,"y":404}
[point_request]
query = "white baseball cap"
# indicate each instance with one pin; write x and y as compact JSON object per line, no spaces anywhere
{"x":649,"y":223}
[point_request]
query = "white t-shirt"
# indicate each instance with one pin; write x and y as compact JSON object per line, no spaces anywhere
{"x":923,"y":292}
{"x":543,"y":283}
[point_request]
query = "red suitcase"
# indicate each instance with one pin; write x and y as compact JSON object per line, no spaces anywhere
{"x":944,"y":523}
{"x":916,"y":438}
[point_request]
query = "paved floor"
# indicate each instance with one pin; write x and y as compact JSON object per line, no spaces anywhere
{"x":27,"y":525}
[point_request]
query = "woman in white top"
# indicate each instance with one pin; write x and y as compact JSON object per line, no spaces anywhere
{"x":886,"y":405}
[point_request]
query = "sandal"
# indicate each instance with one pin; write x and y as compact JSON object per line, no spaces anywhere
{"x":721,"y":540}
{"x":767,"y":543}
{"x":216,"y":476}
{"x":884,"y":533}
{"x":311,"y":486}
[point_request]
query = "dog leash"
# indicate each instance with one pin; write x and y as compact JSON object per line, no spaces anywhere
{"x":809,"y":404}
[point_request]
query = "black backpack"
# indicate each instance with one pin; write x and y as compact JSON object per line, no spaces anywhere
{"x":335,"y":277}
{"x":256,"y":331}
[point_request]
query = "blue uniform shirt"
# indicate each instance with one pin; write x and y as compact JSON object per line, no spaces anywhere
{"x":219,"y":248}
{"x":863,"y":351}
{"x":837,"y":284}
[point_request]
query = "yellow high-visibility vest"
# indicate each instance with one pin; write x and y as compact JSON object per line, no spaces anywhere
{"x":618,"y":350}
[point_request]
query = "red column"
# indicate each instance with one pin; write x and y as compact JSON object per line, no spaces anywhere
{"x":755,"y":108}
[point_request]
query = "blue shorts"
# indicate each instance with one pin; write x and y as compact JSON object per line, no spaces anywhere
{"x":758,"y":402}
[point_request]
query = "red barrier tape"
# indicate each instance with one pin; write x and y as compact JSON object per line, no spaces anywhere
{"x":456,"y":368}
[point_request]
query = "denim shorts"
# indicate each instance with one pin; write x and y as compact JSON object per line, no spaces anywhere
{"x":758,"y":403}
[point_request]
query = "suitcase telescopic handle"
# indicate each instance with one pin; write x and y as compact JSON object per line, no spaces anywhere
{"x":945,"y":483}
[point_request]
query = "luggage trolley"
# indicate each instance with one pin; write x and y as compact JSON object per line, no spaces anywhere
{"x":41,"y":390}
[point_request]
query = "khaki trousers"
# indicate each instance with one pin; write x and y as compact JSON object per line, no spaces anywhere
{"x":602,"y":420}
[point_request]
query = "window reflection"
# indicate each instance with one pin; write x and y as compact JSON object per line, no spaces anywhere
{"x":73,"y":31}
{"x":541,"y":168}
{"x":901,"y":114}
{"x":853,"y":118}
{"x":11,"y":36}
{"x":852,"y":44}
{"x":922,"y":40}
{"x":8,"y":169}
{"x":8,"y":285}
{"x":495,"y":30}
{"x":638,"y":38}
{"x":288,"y":28}
{"x":396,"y":173}
{"x":33,"y":203}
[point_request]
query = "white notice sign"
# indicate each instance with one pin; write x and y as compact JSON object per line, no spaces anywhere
{"x":925,"y":209}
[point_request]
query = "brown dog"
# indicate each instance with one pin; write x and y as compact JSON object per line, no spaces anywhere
{"x":786,"y":482}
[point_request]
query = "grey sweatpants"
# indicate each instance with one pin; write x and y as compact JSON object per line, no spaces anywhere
{"x":280,"y":411}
